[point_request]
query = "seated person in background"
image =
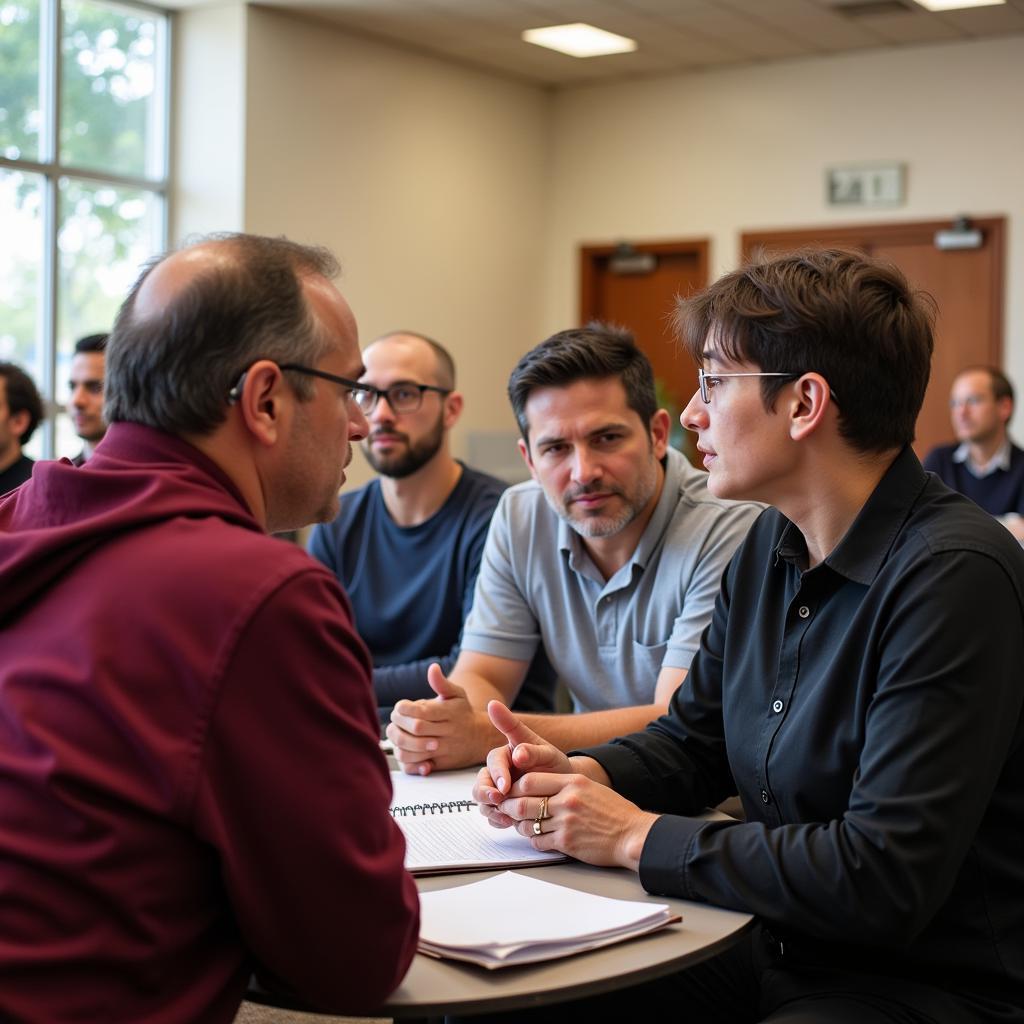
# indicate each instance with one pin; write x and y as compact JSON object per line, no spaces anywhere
{"x":169,"y":674}
{"x":21,"y":409}
{"x":985,"y":465}
{"x":860,"y":683}
{"x":611,"y":558}
{"x":406,"y":547}
{"x":85,"y":401}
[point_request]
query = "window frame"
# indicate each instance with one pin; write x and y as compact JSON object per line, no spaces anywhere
{"x":50,"y":169}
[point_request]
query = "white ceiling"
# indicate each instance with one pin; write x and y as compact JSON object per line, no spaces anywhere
{"x":673,"y":35}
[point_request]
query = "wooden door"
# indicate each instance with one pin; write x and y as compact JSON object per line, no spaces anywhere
{"x":967,"y":285}
{"x":639,"y":292}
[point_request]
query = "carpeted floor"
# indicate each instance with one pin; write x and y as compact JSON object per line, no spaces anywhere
{"x":254,"y":1013}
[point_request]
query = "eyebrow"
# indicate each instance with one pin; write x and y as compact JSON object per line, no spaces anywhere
{"x":603,"y":429}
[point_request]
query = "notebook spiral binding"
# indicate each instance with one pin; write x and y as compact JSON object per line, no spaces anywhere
{"x":451,"y":806}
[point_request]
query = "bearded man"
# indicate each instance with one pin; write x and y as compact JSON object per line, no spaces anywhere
{"x":407,"y":546}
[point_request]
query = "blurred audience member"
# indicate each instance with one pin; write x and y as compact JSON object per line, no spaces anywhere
{"x":21,"y":409}
{"x":85,"y":383}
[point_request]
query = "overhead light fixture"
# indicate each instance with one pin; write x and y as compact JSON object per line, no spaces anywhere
{"x":957,"y":5}
{"x":579,"y":40}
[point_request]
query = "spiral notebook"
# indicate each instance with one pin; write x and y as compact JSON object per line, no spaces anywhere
{"x":445,"y":831}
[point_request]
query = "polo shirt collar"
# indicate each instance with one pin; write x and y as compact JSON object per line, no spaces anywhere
{"x":865,"y":546}
{"x":571,"y":543}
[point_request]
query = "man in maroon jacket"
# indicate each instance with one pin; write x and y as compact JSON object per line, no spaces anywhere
{"x":191,"y":786}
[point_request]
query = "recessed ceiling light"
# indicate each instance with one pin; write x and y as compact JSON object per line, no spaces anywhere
{"x":579,"y":40}
{"x":956,"y":5}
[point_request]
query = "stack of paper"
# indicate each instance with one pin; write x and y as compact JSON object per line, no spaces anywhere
{"x":515,"y":919}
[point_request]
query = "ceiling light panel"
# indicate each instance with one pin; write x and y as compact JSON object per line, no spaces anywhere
{"x":579,"y":40}
{"x":957,"y":5}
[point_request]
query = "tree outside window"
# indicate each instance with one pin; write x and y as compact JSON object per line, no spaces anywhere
{"x":83,"y":178}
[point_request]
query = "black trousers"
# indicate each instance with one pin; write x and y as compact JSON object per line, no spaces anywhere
{"x":750,"y":984}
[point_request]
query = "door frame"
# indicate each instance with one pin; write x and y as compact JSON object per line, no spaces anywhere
{"x":592,"y":255}
{"x":866,"y":236}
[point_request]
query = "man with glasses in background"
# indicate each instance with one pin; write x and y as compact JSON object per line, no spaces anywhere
{"x":406,"y":547}
{"x":985,"y":464}
{"x":85,"y":401}
{"x":185,"y":701}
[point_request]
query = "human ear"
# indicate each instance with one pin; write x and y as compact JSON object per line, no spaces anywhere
{"x":810,"y":400}
{"x":260,"y":401}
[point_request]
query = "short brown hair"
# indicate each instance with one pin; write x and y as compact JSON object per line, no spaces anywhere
{"x":852,"y":318}
{"x":598,"y":351}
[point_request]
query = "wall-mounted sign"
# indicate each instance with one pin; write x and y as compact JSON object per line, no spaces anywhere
{"x":865,"y":185}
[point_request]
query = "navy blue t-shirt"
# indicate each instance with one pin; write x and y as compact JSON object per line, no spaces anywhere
{"x":411,"y":587}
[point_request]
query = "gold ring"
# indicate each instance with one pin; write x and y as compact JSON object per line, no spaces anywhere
{"x":543,"y":809}
{"x":537,"y":830}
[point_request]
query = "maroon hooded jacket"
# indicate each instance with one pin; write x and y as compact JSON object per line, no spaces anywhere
{"x":191,"y":786}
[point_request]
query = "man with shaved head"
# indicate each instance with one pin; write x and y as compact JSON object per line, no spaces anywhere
{"x":407,"y":547}
{"x":168,"y":671}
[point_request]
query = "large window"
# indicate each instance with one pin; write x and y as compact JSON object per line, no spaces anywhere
{"x":83,"y":179}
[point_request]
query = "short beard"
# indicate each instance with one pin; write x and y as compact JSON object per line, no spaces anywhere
{"x":606,"y":525}
{"x":415,"y":456}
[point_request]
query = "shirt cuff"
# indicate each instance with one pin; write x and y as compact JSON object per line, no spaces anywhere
{"x":665,"y":855}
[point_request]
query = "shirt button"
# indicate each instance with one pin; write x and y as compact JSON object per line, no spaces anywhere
{"x":777,"y":706}
{"x":764,"y":796}
{"x":803,"y":611}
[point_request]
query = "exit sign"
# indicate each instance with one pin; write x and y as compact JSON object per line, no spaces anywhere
{"x":865,"y":185}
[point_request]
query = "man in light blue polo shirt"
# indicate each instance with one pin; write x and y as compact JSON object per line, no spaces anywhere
{"x":611,"y":558}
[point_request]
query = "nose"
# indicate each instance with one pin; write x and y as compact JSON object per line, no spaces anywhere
{"x":695,"y":415}
{"x":78,"y":396}
{"x":585,"y":465}
{"x":358,"y":427}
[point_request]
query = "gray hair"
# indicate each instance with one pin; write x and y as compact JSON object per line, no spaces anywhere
{"x":173,"y":371}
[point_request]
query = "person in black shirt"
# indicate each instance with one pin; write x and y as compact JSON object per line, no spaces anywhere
{"x":21,"y":409}
{"x":860,"y":686}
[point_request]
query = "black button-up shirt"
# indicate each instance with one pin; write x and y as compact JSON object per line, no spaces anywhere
{"x":868,"y":712}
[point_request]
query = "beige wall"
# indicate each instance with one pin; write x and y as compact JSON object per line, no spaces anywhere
{"x":209,"y":125}
{"x":428,"y":180}
{"x":457,"y":200}
{"x":713,"y":154}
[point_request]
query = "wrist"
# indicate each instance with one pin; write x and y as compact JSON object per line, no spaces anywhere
{"x":631,"y":846}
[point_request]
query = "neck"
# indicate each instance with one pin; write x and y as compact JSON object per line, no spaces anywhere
{"x":88,"y":447}
{"x":415,"y":498}
{"x":837,"y":489}
{"x":227,"y":448}
{"x":9,"y":456}
{"x":980,"y":452}
{"x":610,"y":554}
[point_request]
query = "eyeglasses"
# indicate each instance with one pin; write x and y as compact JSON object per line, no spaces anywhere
{"x":707,"y":381}
{"x":353,"y":389}
{"x":402,"y":398}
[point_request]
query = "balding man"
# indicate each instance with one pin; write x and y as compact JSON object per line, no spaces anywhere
{"x":407,"y":547}
{"x":168,"y":672}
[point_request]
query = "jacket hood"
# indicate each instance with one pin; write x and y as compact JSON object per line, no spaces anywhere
{"x":136,"y":477}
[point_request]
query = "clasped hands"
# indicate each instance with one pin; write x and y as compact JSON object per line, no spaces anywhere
{"x":582,"y":817}
{"x":559,"y":803}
